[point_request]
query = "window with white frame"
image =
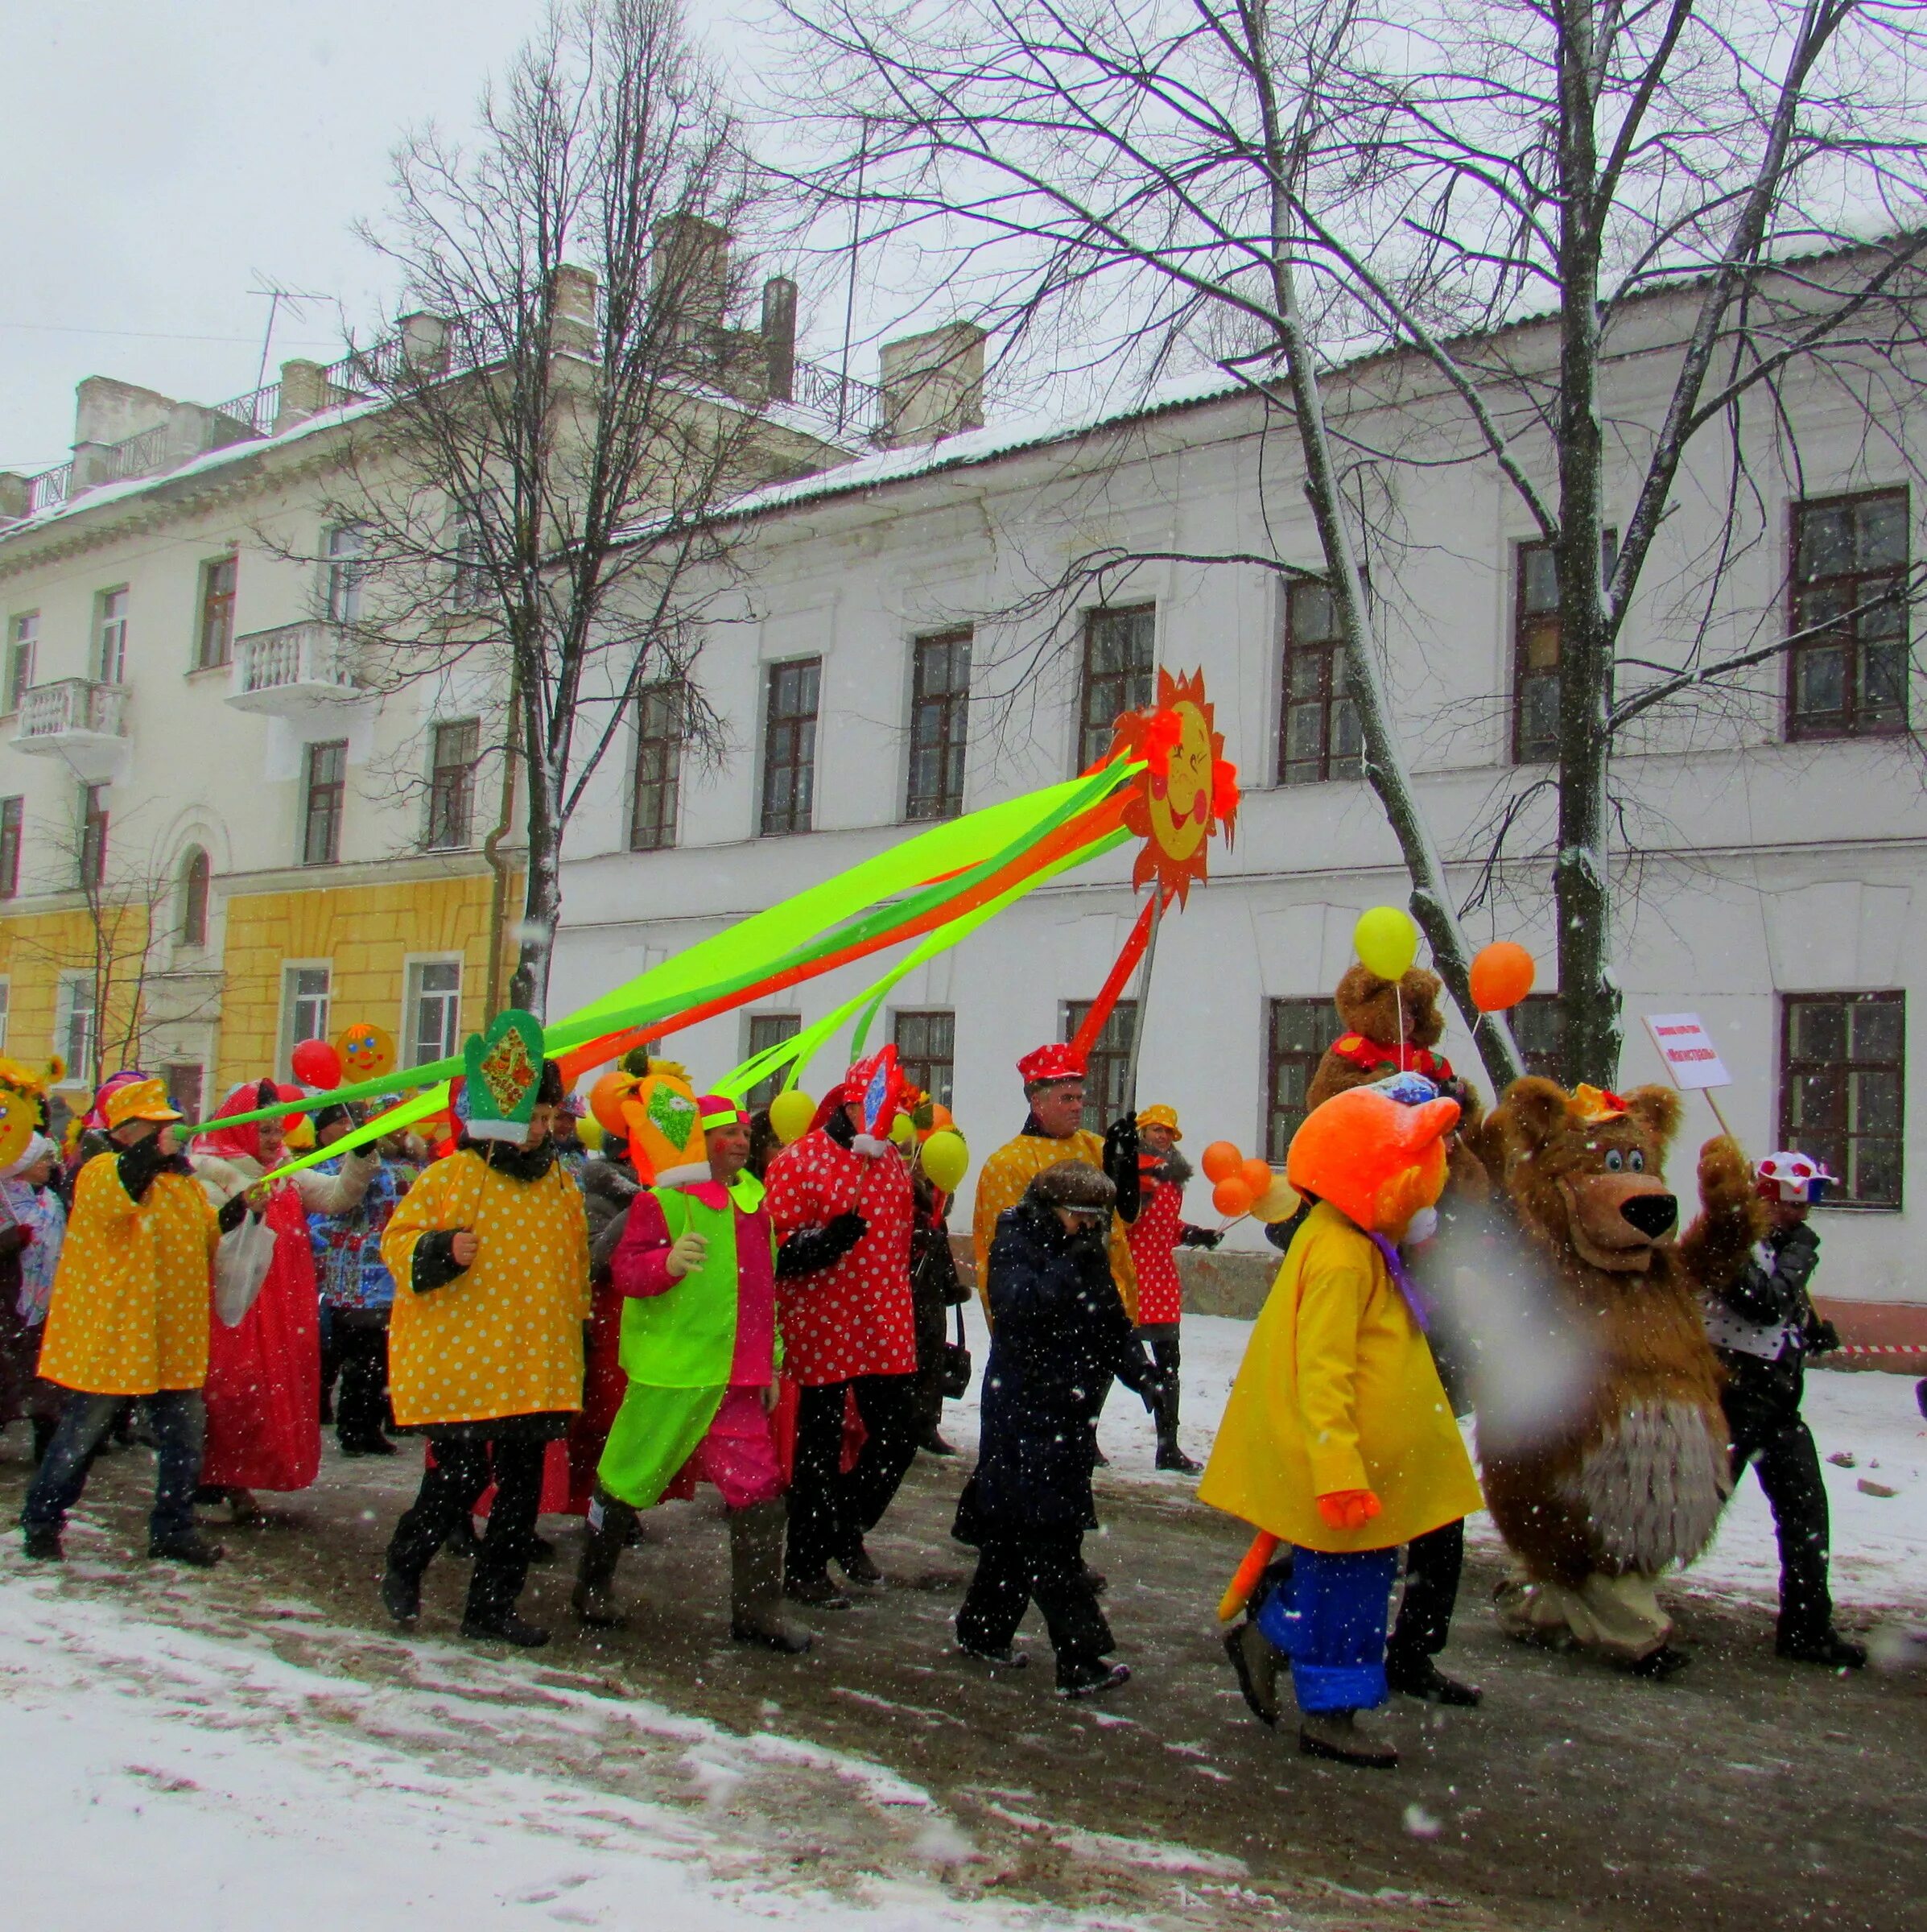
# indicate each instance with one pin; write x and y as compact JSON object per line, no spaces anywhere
{"x":76,"y":1023}
{"x":434,"y":1015}
{"x":306,"y":994}
{"x":347,"y":546}
{"x":23,"y":640}
{"x":6,"y":1002}
{"x":110,"y":636}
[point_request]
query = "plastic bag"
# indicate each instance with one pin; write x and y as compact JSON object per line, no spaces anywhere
{"x":240,"y":1265}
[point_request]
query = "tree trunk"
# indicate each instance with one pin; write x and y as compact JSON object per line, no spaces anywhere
{"x":1589,"y":993}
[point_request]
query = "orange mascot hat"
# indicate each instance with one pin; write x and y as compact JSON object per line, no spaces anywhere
{"x":1377,"y":1160}
{"x":664,"y":1128}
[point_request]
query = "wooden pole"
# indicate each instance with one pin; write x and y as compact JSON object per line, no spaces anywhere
{"x":1719,"y":1116}
{"x":1142,"y":998}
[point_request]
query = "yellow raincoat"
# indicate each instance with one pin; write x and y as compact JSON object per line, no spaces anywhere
{"x":131,"y":1295}
{"x":503,"y":1338}
{"x":1001,"y":1184}
{"x":1337,"y":1391}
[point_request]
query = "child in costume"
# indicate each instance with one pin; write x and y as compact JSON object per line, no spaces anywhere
{"x":1059,"y":1335}
{"x":1338,"y":1439}
{"x":1763,"y":1326}
{"x":695,"y":1267}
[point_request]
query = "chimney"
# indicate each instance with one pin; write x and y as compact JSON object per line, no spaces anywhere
{"x":424,"y":345}
{"x":692,"y":273}
{"x":779,"y":338}
{"x":932,"y":385}
{"x":304,"y":393}
{"x":106,"y":412}
{"x":572,"y":296}
{"x":16,"y":495}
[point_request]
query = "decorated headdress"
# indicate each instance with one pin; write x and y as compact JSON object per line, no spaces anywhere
{"x":1792,"y":1177}
{"x":501,"y":1077}
{"x":1375,"y":1159}
{"x":876,"y":1085}
{"x":664,"y":1126}
{"x":1054,"y":1061}
{"x":1595,"y":1106}
{"x":23,"y":1103}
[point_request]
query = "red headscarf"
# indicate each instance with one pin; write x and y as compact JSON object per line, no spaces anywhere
{"x":244,"y":1143}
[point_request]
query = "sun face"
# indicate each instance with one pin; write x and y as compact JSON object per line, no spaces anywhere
{"x":367,"y":1051}
{"x":1188,"y":791}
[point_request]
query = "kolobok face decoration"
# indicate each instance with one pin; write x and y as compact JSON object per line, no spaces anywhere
{"x":1188,"y":792}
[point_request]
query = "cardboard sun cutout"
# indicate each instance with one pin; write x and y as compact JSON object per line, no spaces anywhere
{"x":1189,"y":789}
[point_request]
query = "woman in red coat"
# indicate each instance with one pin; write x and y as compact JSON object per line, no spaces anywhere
{"x":1155,"y":1237}
{"x":841,"y":1201}
{"x":264,"y":1373}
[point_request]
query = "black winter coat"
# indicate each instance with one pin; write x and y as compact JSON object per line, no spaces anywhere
{"x":1058,"y":1334}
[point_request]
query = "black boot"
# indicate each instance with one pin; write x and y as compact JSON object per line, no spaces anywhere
{"x":602,"y":1547}
{"x":1418,"y":1676}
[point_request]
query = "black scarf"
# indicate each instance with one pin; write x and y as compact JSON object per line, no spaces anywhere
{"x":510,"y":1159}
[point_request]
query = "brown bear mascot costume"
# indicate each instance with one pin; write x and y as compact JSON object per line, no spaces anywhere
{"x":1631,"y":1481}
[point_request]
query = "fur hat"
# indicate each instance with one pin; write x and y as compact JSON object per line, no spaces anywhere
{"x":1076,"y":1185}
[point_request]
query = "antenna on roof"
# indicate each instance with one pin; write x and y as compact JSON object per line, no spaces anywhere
{"x":276,"y":295}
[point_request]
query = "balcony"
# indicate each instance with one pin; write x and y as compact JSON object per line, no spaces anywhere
{"x":293,"y":670}
{"x":78,"y":720}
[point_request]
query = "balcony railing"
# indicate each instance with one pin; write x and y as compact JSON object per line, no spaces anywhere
{"x":292,"y":665}
{"x":72,"y":705}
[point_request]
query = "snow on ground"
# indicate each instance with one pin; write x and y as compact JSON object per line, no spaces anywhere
{"x":1879,"y":1542}
{"x":186,"y":1779}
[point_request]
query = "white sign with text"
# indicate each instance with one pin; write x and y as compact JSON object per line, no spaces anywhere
{"x":1688,"y":1051}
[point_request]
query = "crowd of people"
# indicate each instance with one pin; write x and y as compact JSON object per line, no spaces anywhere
{"x":695,"y":1302}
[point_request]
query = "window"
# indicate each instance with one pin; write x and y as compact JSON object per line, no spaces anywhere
{"x":468,"y":576}
{"x":452,"y":785}
{"x":434,"y":1018}
{"x":1536,"y":647}
{"x":939,"y":716}
{"x":74,"y":1025}
{"x":1317,"y":724}
{"x":216,"y":643}
{"x":186,"y":1088}
{"x":1120,"y":647}
{"x":1851,"y":680}
{"x":321,"y":808}
{"x":346,"y":546}
{"x":1108,"y":1066}
{"x":926,"y":1050}
{"x":652,"y":802}
{"x":194,"y":877}
{"x":93,"y":836}
{"x":768,"y":1030}
{"x":12,"y":819}
{"x":305,"y":1000}
{"x":110,"y":636}
{"x":1539,"y":1027}
{"x":1298,"y":1034}
{"x":1842,"y":1089}
{"x":790,"y":745}
{"x":22,"y":636}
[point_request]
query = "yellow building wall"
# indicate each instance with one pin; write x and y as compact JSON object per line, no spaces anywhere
{"x":37,"y":948}
{"x":367,"y":935}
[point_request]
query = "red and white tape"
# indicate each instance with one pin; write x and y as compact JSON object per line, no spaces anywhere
{"x":1884,"y":1348}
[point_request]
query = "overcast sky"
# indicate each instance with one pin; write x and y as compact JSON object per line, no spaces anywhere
{"x":165,"y":156}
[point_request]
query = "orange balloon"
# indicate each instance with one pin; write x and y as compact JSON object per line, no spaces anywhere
{"x":1220,"y":1161}
{"x":1258,"y":1176}
{"x":1502,"y":976}
{"x":1232,"y":1198}
{"x":606,"y":1098}
{"x":940,"y":1117}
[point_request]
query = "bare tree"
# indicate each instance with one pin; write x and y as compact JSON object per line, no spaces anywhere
{"x":1278,"y":186}
{"x":529,"y":511}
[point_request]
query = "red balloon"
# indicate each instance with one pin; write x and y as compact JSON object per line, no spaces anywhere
{"x":316,"y":1064}
{"x":1502,"y":976}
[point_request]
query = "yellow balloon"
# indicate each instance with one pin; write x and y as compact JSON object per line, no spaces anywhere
{"x":903,"y":1129}
{"x":790,"y":1114}
{"x":1279,"y":1202}
{"x":588,"y":1130}
{"x":946,"y":1159}
{"x":1387,"y":941}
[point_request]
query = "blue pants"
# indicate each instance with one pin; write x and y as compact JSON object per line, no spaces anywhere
{"x":1329,"y":1618}
{"x":178,"y":1419}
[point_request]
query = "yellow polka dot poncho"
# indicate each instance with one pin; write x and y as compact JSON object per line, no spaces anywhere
{"x":504,"y":1337}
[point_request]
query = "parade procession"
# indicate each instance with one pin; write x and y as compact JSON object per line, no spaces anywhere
{"x":1113,"y":1136}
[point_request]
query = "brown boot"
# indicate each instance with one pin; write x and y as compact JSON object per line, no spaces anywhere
{"x":1340,"y":1736}
{"x":756,"y":1580}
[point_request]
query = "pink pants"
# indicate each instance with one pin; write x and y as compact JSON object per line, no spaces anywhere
{"x":738,"y":1455}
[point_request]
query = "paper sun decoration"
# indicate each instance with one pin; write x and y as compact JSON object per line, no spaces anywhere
{"x":1189,"y":789}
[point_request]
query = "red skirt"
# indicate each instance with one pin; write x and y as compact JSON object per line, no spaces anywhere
{"x":264,"y":1376}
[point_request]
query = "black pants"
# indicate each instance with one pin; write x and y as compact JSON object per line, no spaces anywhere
{"x":463,"y":1470}
{"x":1046,"y":1567}
{"x":932,"y":1319}
{"x":1162,"y":1339}
{"x":1433,"y":1563}
{"x":1763,"y":1416}
{"x":830,"y":1511}
{"x":360,"y":1350}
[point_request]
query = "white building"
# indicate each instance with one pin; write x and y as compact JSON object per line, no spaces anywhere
{"x":1778,"y":886}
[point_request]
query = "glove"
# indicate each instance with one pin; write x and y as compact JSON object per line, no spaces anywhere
{"x":1120,"y":1164}
{"x":1200,"y":1237}
{"x":232,"y":1213}
{"x":686,"y":1254}
{"x":1349,"y":1509}
{"x":1822,"y":1337}
{"x":808,"y":1250}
